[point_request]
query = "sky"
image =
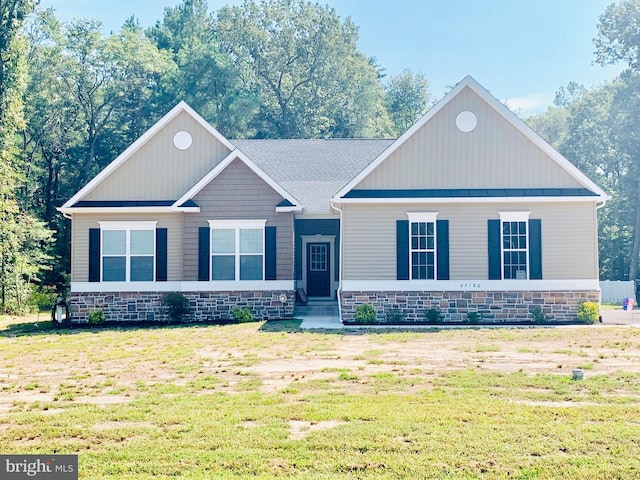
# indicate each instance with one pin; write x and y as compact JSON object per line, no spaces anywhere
{"x":522,"y":51}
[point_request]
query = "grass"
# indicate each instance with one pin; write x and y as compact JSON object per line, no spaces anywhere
{"x":203,"y":402}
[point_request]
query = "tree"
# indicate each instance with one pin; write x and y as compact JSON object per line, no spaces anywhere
{"x":203,"y":76}
{"x":618,"y":38}
{"x":22,"y":237}
{"x":300,"y":60}
{"x":407,"y":99}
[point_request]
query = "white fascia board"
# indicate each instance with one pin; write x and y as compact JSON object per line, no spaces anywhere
{"x":143,"y":139}
{"x":502,"y":109}
{"x":237,"y":154}
{"x":455,"y":200}
{"x":227,"y":286}
{"x":295,"y":208}
{"x":469,"y":285}
{"x":126,"y":209}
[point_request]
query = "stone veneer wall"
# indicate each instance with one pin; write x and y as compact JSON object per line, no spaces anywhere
{"x":205,"y":306}
{"x":495,"y":307}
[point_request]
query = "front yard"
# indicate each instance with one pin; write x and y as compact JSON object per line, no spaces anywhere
{"x":266,"y":401}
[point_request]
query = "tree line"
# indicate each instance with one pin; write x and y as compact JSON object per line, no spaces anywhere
{"x":72,"y":98}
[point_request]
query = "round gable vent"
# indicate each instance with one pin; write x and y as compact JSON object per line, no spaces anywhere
{"x":466,"y":121}
{"x":182,"y":140}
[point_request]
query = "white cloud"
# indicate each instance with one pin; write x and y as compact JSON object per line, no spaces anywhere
{"x":529,"y":104}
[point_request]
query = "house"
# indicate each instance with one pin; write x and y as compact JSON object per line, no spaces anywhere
{"x":468,"y":211}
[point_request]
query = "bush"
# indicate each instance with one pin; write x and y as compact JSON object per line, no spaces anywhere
{"x":43,"y":298}
{"x":96,"y":317}
{"x":365,"y":313}
{"x":539,"y":317}
{"x":474,"y":317}
{"x":394,"y":315}
{"x":588,"y":312}
{"x":242,"y":315}
{"x":433,"y":315}
{"x":177,"y":306}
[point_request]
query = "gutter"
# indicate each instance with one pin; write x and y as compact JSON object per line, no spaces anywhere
{"x":340,"y":263}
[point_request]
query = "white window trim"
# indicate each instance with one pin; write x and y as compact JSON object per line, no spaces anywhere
{"x":514,"y":217}
{"x":238,"y":225}
{"x":127,"y":227}
{"x":424,"y":217}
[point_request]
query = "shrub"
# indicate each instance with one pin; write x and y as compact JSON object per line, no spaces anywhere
{"x":177,"y":306}
{"x":588,"y":312}
{"x":474,"y":317}
{"x":43,"y":298}
{"x":365,"y":313}
{"x":242,"y":315}
{"x":433,"y":315}
{"x":539,"y":317}
{"x":394,"y":315}
{"x":96,"y":317}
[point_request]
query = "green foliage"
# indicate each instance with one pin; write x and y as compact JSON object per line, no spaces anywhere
{"x":539,"y":317}
{"x":588,"y":312}
{"x":433,"y":315}
{"x":474,"y":317}
{"x":394,"y":315}
{"x":302,"y":61}
{"x":407,"y":98}
{"x":96,"y":317}
{"x":241,"y":315}
{"x":43,"y":298}
{"x":177,"y":306}
{"x":618,"y":38}
{"x":365,"y":313}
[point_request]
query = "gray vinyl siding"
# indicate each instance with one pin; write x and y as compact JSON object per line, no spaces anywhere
{"x":569,"y":238}
{"x":80,"y":240}
{"x":239,"y":194}
{"x":494,"y":155}
{"x":158,"y":170}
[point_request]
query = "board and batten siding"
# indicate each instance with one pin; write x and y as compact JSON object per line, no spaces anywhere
{"x":494,"y":155}
{"x":237,"y":193}
{"x":81,"y":224}
{"x":569,"y":238}
{"x":158,"y":170}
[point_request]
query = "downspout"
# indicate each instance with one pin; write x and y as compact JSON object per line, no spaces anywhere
{"x":340,"y":262}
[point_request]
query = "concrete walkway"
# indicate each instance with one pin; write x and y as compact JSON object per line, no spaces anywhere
{"x":321,"y":322}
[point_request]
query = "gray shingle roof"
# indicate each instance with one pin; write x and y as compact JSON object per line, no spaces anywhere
{"x":313,"y":170}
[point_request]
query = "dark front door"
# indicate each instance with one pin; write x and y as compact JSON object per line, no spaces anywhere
{"x":318,"y":270}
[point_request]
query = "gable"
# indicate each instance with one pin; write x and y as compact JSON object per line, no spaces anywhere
{"x":157,"y":170}
{"x":494,"y":155}
{"x":237,"y":192}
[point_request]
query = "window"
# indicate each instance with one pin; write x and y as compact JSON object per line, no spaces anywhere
{"x":422,"y":246}
{"x":515,"y":245}
{"x":128,"y":251}
{"x":237,"y":249}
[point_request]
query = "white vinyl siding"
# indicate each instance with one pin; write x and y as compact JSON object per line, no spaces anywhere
{"x":494,"y":155}
{"x":569,"y":239}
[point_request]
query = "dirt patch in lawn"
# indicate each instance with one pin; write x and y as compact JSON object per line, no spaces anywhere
{"x":110,"y":366}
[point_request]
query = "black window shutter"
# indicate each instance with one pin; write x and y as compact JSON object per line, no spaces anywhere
{"x":402,"y":249}
{"x":442,"y":235}
{"x":94,"y":254}
{"x":495,"y":250}
{"x":270,"y":260}
{"x":161,"y":254}
{"x":535,"y":249}
{"x":204,"y":253}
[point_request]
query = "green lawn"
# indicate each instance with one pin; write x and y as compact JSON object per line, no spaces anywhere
{"x":267,"y":401}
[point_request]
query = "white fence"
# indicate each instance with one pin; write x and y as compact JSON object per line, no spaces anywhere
{"x":616,"y":291}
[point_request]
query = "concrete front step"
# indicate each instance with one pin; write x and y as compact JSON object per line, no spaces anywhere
{"x":316,"y":310}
